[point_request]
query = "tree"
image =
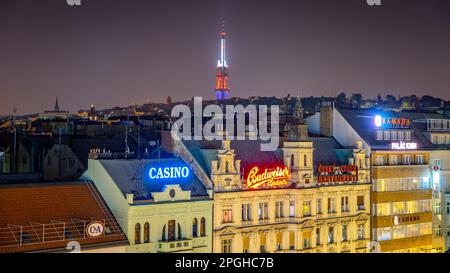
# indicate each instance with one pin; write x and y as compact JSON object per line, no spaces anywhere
{"x":379,"y":99}
{"x":341,"y":99}
{"x":356,"y":99}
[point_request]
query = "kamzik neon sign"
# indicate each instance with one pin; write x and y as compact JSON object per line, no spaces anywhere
{"x":168,"y":172}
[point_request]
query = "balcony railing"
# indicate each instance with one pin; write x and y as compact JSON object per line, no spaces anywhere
{"x":173,"y":246}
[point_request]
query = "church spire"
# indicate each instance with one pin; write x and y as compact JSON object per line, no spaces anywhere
{"x":56,"y":108}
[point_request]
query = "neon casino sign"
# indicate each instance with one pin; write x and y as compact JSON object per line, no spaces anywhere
{"x":271,"y":178}
{"x":156,"y":173}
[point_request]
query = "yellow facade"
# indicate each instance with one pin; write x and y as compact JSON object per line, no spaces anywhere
{"x":402,"y":201}
{"x":304,"y":217}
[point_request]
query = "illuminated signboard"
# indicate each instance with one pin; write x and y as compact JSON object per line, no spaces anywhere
{"x":403,"y":145}
{"x":168,"y":172}
{"x":345,"y":173}
{"x":95,"y":229}
{"x":272,"y":178}
{"x":391,"y":122}
{"x":405,"y":219}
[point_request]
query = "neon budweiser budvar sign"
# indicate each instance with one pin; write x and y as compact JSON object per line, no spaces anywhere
{"x":269,"y":178}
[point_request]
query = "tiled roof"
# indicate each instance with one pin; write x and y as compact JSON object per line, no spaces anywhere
{"x":52,"y":214}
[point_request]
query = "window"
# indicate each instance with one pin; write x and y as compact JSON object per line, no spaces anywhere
{"x":318,"y":236}
{"x":401,"y":135}
{"x":331,"y":205}
{"x":319,"y":206}
{"x":344,"y":204}
{"x":292,"y":161}
{"x":424,"y":183}
{"x":279,"y":240}
{"x":227,"y":167}
{"x":195,"y":227}
{"x":398,"y":207}
{"x":398,"y":232}
{"x":344,"y":233}
{"x":262,"y":243}
{"x":263,"y":211}
{"x":306,"y":208}
{"x":279,"y":209}
{"x":379,"y":160}
{"x":383,"y":209}
{"x":379,"y":135}
{"x":360,"y":202}
{"x":305,"y":160}
{"x":387,"y":135}
{"x":203,"y":227}
{"x":393,"y":135}
{"x":384,"y":234}
{"x":393,"y":159}
{"x":291,"y":208}
{"x":306,"y":239}
{"x":425,"y":228}
{"x":412,"y":230}
{"x":408,"y":135}
{"x":419,"y":159}
{"x":331,"y":235}
{"x":406,"y":159}
{"x":146,"y":232}
{"x":226,"y":246}
{"x":137,"y":233}
{"x":448,"y":207}
{"x":227,"y":214}
{"x":361,"y":232}
{"x":246,"y":212}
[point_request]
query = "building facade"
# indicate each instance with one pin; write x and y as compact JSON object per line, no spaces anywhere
{"x":160,"y":205}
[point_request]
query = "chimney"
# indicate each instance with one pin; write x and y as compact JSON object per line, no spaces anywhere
{"x":326,"y":119}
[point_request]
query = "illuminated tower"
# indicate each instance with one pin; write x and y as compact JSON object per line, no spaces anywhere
{"x":222,"y":89}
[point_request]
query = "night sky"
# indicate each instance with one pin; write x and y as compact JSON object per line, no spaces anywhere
{"x":118,"y":52}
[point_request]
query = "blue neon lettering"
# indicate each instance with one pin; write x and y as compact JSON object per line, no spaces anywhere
{"x":168,"y":172}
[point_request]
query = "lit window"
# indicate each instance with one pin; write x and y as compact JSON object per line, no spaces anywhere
{"x":227,"y":216}
{"x":226,"y":246}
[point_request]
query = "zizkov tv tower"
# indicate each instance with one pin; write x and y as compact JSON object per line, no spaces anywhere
{"x":222,"y":89}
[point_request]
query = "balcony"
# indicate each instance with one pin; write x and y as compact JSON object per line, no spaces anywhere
{"x":264,"y":221}
{"x":247,"y":222}
{"x":175,"y":246}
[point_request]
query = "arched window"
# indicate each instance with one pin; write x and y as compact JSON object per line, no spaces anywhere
{"x":195,"y":227}
{"x":203,"y":227}
{"x":137,"y":233}
{"x":171,"y":231}
{"x":179,"y":231}
{"x":146,"y":232}
{"x":292,"y":160}
{"x":305,"y":160}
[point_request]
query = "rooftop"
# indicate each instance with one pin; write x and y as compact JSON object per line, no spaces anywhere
{"x":44,"y":216}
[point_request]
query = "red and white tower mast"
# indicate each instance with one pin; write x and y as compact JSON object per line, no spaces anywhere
{"x":222,"y":89}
